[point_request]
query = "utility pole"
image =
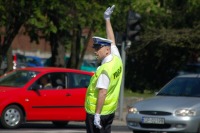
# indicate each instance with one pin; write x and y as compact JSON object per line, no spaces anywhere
{"x":120,"y":41}
{"x":133,"y":29}
{"x":121,"y":101}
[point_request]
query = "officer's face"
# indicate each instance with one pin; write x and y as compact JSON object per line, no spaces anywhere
{"x":102,"y":52}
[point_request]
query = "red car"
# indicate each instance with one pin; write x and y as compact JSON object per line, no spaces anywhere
{"x":23,"y":96}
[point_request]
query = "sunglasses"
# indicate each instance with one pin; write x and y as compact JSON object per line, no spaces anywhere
{"x":98,"y":48}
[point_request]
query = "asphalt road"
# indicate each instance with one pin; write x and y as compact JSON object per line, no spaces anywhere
{"x":47,"y":127}
{"x":118,"y":126}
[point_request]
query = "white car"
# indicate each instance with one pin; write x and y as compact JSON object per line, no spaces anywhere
{"x":175,"y":108}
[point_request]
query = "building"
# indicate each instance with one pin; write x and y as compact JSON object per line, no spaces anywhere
{"x":22,"y":44}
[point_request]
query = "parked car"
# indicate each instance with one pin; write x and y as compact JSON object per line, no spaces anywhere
{"x":175,"y":108}
{"x":23,"y":98}
{"x":19,"y":61}
{"x":34,"y":61}
{"x":3,"y":66}
{"x":86,"y":65}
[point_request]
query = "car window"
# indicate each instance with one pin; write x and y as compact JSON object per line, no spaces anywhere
{"x":17,"y":78}
{"x":75,"y":80}
{"x":31,"y":60}
{"x":21,"y":58}
{"x":58,"y":80}
{"x":51,"y":81}
{"x":86,"y":63}
{"x":182,"y":87}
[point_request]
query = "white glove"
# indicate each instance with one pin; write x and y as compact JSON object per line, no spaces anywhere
{"x":97,"y":121}
{"x":108,"y":12}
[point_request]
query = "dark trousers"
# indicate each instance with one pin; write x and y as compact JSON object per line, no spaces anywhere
{"x":106,"y":122}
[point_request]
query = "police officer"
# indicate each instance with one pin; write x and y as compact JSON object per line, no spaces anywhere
{"x":103,"y":92}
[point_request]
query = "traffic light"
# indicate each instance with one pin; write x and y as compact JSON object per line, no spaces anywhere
{"x":133,"y":26}
{"x":120,"y":38}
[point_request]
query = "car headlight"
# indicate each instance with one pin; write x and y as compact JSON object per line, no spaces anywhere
{"x":132,"y":110}
{"x":185,"y":112}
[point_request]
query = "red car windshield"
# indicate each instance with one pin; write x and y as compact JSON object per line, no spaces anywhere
{"x":17,"y":78}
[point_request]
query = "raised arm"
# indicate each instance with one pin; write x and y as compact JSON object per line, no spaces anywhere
{"x":109,"y":30}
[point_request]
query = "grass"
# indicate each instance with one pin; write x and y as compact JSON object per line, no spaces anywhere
{"x":146,"y":94}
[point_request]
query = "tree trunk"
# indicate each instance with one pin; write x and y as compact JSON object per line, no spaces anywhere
{"x":6,"y":43}
{"x":72,"y":60}
{"x":9,"y":60}
{"x":57,"y":51}
{"x":86,"y":45}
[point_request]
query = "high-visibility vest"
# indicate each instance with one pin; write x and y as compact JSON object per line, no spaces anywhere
{"x":113,"y":70}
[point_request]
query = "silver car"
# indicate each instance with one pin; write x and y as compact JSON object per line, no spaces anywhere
{"x":175,"y":108}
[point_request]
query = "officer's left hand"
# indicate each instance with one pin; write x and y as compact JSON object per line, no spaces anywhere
{"x":108,"y":12}
{"x":97,"y":120}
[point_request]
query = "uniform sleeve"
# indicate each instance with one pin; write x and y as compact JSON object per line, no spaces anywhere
{"x":103,"y":82}
{"x":115,"y":51}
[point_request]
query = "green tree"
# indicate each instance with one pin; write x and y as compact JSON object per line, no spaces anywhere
{"x":56,"y":21}
{"x":13,"y":16}
{"x":169,"y":39}
{"x":11,"y":20}
{"x":170,"y":32}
